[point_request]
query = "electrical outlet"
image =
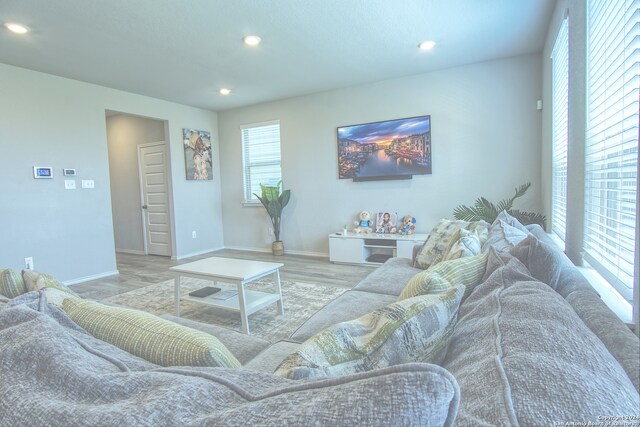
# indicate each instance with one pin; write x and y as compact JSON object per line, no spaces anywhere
{"x":194,"y":234}
{"x":28,"y":263}
{"x":270,"y":231}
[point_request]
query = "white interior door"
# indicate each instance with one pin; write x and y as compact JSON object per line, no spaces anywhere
{"x":155,"y":198}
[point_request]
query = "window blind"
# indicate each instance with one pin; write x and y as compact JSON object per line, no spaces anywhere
{"x":611,"y":151}
{"x":261,"y":157}
{"x":560,"y":108}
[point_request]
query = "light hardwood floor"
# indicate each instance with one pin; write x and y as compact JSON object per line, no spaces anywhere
{"x":137,"y":271}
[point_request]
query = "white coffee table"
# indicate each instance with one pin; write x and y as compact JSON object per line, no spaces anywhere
{"x":235,"y":271}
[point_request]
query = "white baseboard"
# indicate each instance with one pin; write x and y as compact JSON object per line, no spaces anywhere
{"x":92,"y":277}
{"x":286,"y":251}
{"x":177,"y":258}
{"x":130,"y":251}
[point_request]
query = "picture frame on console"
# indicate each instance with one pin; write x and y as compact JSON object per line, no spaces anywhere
{"x":386,"y":222}
{"x":392,"y":149}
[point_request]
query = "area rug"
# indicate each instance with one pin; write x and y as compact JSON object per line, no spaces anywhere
{"x":301,"y":301}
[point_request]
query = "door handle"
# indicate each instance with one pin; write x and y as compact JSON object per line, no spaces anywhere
{"x":144,"y":206}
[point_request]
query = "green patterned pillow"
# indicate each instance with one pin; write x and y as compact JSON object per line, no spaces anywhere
{"x":35,"y":281}
{"x":147,"y":336}
{"x":467,"y":271}
{"x":414,"y":330}
{"x":11,"y":283}
{"x":439,"y":238}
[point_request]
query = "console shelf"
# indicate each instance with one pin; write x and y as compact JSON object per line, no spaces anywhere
{"x":372,"y":248}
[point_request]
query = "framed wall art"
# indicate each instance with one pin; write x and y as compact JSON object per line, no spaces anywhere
{"x":392,"y":149}
{"x":197,"y":154}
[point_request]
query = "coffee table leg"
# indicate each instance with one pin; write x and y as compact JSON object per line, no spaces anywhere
{"x":177,"y":294}
{"x":279,"y":290}
{"x":243,"y":309}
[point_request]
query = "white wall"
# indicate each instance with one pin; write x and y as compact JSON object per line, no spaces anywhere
{"x":486,"y":136}
{"x":52,"y":121}
{"x":124,"y":134}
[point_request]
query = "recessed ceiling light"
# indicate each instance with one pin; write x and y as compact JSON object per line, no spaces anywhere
{"x":252,"y":40}
{"x":16,"y":28}
{"x":225,"y":91}
{"x":427,"y":45}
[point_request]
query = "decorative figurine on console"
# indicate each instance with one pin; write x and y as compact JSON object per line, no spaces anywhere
{"x":363,"y":223}
{"x":408,"y":225}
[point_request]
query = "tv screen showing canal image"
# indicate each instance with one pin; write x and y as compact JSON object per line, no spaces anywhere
{"x":384,"y":150}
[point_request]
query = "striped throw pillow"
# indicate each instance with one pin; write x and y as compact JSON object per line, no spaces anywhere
{"x":11,"y":283}
{"x":413,"y":330}
{"x":35,"y":281}
{"x":147,"y":336}
{"x":467,"y":271}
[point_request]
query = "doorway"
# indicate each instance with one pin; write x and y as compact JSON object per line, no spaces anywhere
{"x":140,"y":185}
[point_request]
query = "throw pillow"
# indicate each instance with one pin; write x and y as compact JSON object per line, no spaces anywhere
{"x":512,"y":221}
{"x":11,"y":283}
{"x":413,"y":330}
{"x":445,"y":275}
{"x":147,"y":336}
{"x":503,"y":236}
{"x":437,"y":242}
{"x":464,"y":243}
{"x":35,"y":281}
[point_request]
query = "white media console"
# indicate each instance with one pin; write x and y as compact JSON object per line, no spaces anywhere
{"x":372,"y":248}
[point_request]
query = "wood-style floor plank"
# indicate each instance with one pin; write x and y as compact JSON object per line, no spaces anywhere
{"x":138,"y":271}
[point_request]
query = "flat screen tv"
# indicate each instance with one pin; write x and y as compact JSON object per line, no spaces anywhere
{"x":393,"y":149}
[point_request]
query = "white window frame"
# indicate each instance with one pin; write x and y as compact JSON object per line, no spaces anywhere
{"x":611,"y":106}
{"x":248,"y":199}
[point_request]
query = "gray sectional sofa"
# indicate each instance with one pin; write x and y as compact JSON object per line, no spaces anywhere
{"x":533,"y":345}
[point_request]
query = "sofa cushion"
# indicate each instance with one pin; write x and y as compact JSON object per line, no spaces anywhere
{"x":154,"y":339}
{"x":348,"y":306}
{"x":523,"y":357}
{"x":550,"y":265}
{"x":412,"y":330}
{"x":623,"y":344}
{"x":390,"y":278}
{"x":272,"y":357}
{"x":35,"y":281}
{"x":76,"y":384}
{"x":467,"y":271}
{"x":437,"y":242}
{"x":503,"y":237}
{"x":244,"y":347}
{"x":11,"y":283}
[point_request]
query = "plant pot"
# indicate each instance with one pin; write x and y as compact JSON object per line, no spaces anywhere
{"x":277,"y":248}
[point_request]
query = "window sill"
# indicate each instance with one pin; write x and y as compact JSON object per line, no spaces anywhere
{"x":251,"y":204}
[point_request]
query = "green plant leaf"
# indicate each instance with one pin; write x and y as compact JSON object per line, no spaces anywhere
{"x":285,"y":197}
{"x":527,"y":218}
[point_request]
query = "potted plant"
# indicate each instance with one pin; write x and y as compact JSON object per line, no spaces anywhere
{"x":487,"y":211}
{"x":274,"y":202}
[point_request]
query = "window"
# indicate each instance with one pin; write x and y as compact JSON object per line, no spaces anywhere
{"x":260,"y":157}
{"x":560,"y":101}
{"x":611,"y":151}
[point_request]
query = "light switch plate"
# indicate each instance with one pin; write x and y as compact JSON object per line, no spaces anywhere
{"x":88,"y":183}
{"x":70,"y":184}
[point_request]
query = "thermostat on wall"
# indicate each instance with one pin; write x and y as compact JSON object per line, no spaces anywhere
{"x":40,"y":172}
{"x":69,"y":172}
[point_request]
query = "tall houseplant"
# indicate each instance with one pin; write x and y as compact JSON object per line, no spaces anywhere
{"x":487,"y":211}
{"x":274,"y":202}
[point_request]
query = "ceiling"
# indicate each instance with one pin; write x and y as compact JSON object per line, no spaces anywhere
{"x":184,"y":51}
